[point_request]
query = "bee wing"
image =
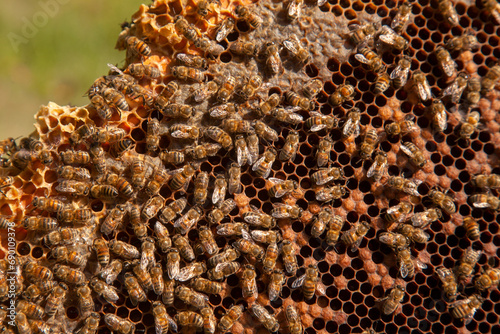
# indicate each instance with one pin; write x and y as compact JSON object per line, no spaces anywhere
{"x":180,"y":134}
{"x":276,"y":180}
{"x":451,"y":90}
{"x":185,"y":274}
{"x":356,"y":130}
{"x":273,"y":294}
{"x":257,"y":163}
{"x":356,"y":244}
{"x":290,"y":46}
{"x":246,"y":235}
{"x":221,"y":266}
{"x":411,"y":189}
{"x":268,"y":171}
{"x":160,"y":230}
{"x":299,"y":281}
{"x":420,"y":264}
{"x":406,"y":150}
{"x":318,"y":127}
{"x":419,"y":219}
{"x":280,"y":193}
{"x":158,"y":329}
{"x":361,"y":58}
{"x":173,"y":270}
{"x":320,"y":287}
{"x":385,"y":237}
{"x":172,"y":324}
{"x":241,"y":154}
{"x":321,"y":2}
{"x":347,"y":126}
{"x":398,"y":72}
{"x":67,"y":186}
{"x":144,"y":260}
{"x":372,"y":169}
{"x":218,"y":195}
{"x":253,"y":218}
{"x":403,"y":270}
{"x":482,"y":205}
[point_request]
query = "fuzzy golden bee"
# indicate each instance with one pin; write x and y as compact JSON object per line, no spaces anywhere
{"x":249,"y":16}
{"x":450,"y":285}
{"x":422,"y":86}
{"x":308,"y":281}
{"x":393,"y":300}
{"x":362,"y":33}
{"x":232,"y":315}
{"x":466,"y":308}
{"x":248,"y":90}
{"x":342,"y":94}
{"x":379,"y":167}
{"x":414,"y":153}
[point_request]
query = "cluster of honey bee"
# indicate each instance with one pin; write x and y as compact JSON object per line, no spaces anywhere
{"x":188,"y":240}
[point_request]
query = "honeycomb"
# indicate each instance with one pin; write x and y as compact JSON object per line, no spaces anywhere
{"x":352,"y":282}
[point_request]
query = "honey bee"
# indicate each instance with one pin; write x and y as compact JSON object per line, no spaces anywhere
{"x":398,"y":213}
{"x":471,"y":228}
{"x":152,"y":207}
{"x":262,"y":167}
{"x":405,"y":185}
{"x":351,"y":126}
{"x":85,"y":299}
{"x":265,"y":132}
{"x":113,"y":219}
{"x":223,"y":270}
{"x":200,"y":188}
{"x":439,"y":115}
{"x":493,"y":8}
{"x":76,"y":188}
{"x":445,"y":62}
{"x":209,"y":320}
{"x":422,"y":219}
{"x":8,"y":146}
{"x":281,"y":210}
{"x":62,"y":253}
{"x":220,"y":136}
{"x":190,"y":60}
{"x":289,"y":258}
{"x":135,"y":291}
{"x":184,"y":247}
{"x":124,"y":250}
{"x":84,"y":131}
{"x":294,"y":9}
{"x":485,"y":201}
{"x":120,"y":147}
{"x":34,"y":223}
{"x":370,"y":58}
{"x":69,"y":275}
{"x":119,"y":325}
{"x":152,"y":134}
{"x":74,"y":173}
{"x":321,"y":222}
{"x":224,"y":29}
{"x":138,"y":46}
{"x":334,"y":227}
{"x":402,"y":16}
{"x":381,"y":84}
{"x":308,"y":281}
{"x":407,"y":263}
{"x":173,"y":262}
{"x":205,"y":92}
{"x":491,"y":78}
{"x":295,"y":100}
{"x":187,"y":73}
{"x":282,"y":187}
{"x":248,"y":282}
{"x":327,"y":194}
{"x":234,"y":175}
{"x":354,"y":236}
{"x":488,"y":278}
{"x":207,"y":241}
{"x":244,"y":48}
{"x":400,"y":74}
{"x":111,"y":272}
{"x":449,"y":280}
{"x":226,"y":89}
{"x":473,"y":92}
{"x":486,"y":181}
{"x":160,"y":176}
{"x":378,"y":168}
{"x":317,"y":122}
{"x":470,"y":125}
{"x":456,"y":89}
{"x":361,"y":34}
{"x":55,"y":299}
{"x":186,"y":222}
{"x":414,"y":234}
{"x":191,"y":297}
{"x":247,"y":246}
{"x":206,"y":286}
{"x":204,"y":150}
{"x":393,"y":300}
{"x":414,"y":153}
{"x":229,"y":254}
{"x":223,"y":111}
{"x":232,"y":229}
{"x":181,"y":177}
{"x":422,"y":86}
{"x":22,"y":158}
{"x":467,"y":263}
{"x":325,"y":175}
{"x":253,"y":148}
{"x":138,"y":171}
{"x":466,"y":308}
{"x":140,"y":71}
{"x":187,"y":30}
{"x":217,"y":214}
{"x":115,"y":99}
{"x":162,"y":319}
{"x":342,"y":94}
{"x":276,"y":281}
{"x":447,"y":9}
{"x":266,"y":237}
{"x":71,"y":157}
{"x":227,"y":321}
{"x":272,"y":102}
{"x":265,"y":318}
{"x":323,"y":152}
{"x":445,"y":202}
{"x":172,"y":157}
{"x":109,"y":293}
{"x":48,"y":204}
{"x":246,"y":14}
{"x":137,"y":92}
{"x":392,"y":39}
{"x":91,"y":324}
{"x":233,"y":125}
{"x":286,"y":115}
{"x":272,"y":56}
{"x":368,"y":145}
{"x":98,"y":159}
{"x":147,"y":253}
{"x":66,"y":235}
{"x":463,"y":43}
{"x":162,"y":237}
{"x":31,"y":310}
{"x":299,"y":53}
{"x":189,"y":319}
{"x":172,"y":210}
{"x":252,"y":85}
{"x":290,"y":148}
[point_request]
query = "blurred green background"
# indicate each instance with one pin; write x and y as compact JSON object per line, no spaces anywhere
{"x":67,"y":48}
